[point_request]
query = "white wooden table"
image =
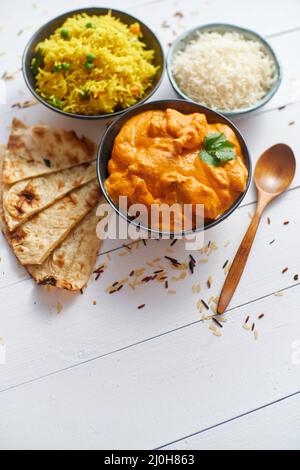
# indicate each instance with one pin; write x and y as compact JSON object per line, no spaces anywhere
{"x":111,"y":376}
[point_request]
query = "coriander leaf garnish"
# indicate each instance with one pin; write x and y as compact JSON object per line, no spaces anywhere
{"x":214,"y":139}
{"x":208,"y":158}
{"x":217,"y":150}
{"x":225,"y":154}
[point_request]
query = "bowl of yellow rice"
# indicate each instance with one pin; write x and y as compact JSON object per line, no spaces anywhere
{"x":93,"y":63}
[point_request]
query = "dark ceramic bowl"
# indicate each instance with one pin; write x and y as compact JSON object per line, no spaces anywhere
{"x":149,"y":38}
{"x":182,"y":41}
{"x":185,"y":107}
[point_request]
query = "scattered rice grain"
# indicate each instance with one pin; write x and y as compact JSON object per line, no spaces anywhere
{"x":217,"y":333}
{"x":172,"y":292}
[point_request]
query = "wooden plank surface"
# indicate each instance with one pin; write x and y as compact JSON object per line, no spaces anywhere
{"x":275,"y":427}
{"x":84,"y":331}
{"x":161,"y":390}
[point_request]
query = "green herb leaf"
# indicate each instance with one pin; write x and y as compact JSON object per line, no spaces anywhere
{"x":37,"y":62}
{"x":57,"y":103}
{"x":223,"y":146}
{"x":89,"y":66}
{"x":209,"y":158}
{"x":213,"y":140}
{"x":217,"y":150}
{"x":225,"y":155}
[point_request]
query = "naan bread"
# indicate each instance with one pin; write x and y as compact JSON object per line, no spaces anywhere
{"x":24,"y":199}
{"x":33,"y":241}
{"x":40,"y":150}
{"x":2,"y":152}
{"x":70,"y":266}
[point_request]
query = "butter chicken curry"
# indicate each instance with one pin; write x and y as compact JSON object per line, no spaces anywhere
{"x":165,"y":157}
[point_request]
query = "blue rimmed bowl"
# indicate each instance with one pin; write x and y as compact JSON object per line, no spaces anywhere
{"x":182,"y":41}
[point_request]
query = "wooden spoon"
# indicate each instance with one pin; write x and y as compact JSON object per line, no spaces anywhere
{"x":274,"y":173}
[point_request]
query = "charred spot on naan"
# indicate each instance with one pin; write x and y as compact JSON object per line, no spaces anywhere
{"x":47,"y":162}
{"x":55,"y":282}
{"x":81,"y":142}
{"x":17,"y":124}
{"x":61,"y":184}
{"x":15,"y":143}
{"x":19,"y":212}
{"x":86,"y":165}
{"x":78,"y":182}
{"x":39,"y":131}
{"x":17,"y":237}
{"x":27,"y":197}
{"x":73,"y":199}
{"x":73,"y":159}
{"x":58,"y":138}
{"x":88,"y":145}
{"x":81,"y":266}
{"x":92,"y":200}
{"x":60,"y":260}
{"x":47,"y":281}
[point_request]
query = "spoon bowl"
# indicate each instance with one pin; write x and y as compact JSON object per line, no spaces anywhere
{"x":275,"y":170}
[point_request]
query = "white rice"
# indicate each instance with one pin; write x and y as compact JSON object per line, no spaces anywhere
{"x":224,"y":71}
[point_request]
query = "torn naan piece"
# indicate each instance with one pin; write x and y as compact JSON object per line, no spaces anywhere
{"x":2,"y":152}
{"x":26,"y":198}
{"x":71,"y":265}
{"x":40,"y":150}
{"x":33,"y":241}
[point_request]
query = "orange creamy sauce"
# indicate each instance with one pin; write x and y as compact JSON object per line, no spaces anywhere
{"x":155,"y":160}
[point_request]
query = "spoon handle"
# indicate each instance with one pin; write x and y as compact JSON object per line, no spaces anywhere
{"x":239,"y":263}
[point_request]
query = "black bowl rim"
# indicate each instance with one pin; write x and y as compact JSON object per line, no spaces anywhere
{"x":236,"y":112}
{"x":96,"y":116}
{"x":161,"y":233}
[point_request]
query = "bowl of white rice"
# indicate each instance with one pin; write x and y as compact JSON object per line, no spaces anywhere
{"x":227,"y":68}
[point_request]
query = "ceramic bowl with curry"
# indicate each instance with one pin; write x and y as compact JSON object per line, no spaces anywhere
{"x":174,"y":152}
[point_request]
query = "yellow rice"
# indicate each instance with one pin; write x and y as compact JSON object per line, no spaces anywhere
{"x":121,"y":68}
